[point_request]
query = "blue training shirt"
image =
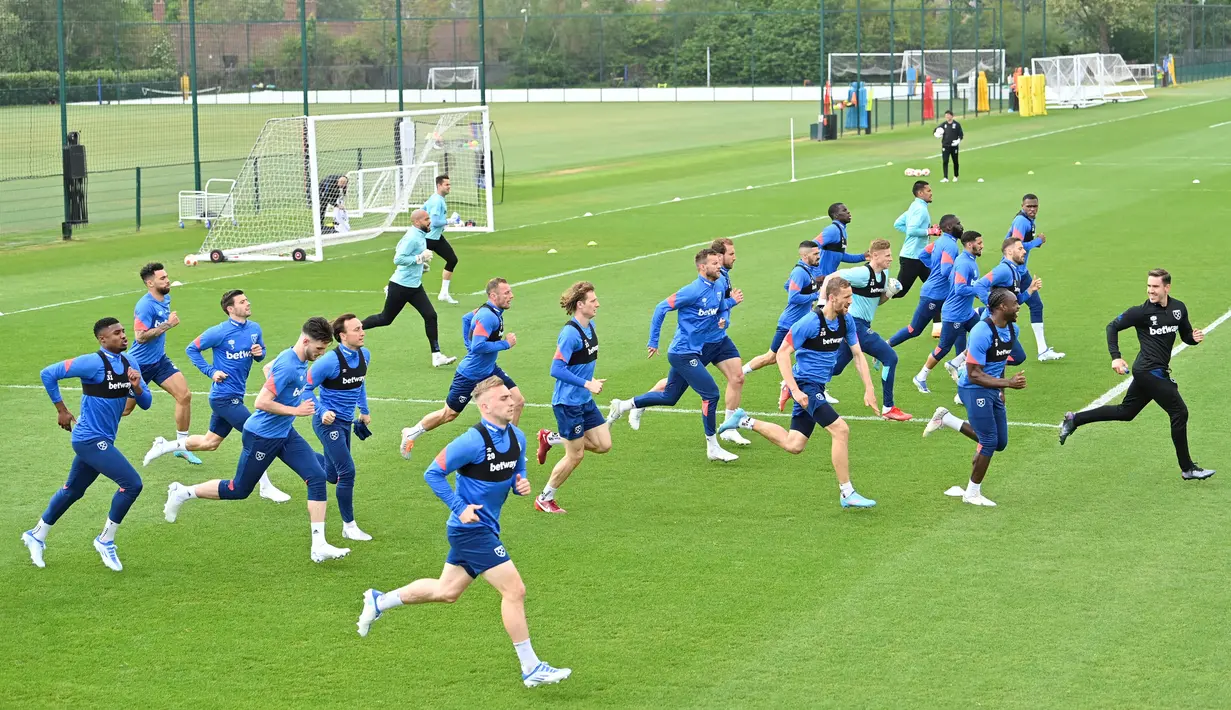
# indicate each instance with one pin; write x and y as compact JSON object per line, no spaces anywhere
{"x":150,"y":313}
{"x":288,"y":380}
{"x":482,"y":477}
{"x":833,"y":249}
{"x":231,"y":342}
{"x":914,"y":223}
{"x":409,"y":273}
{"x":866,"y":293}
{"x":439,"y":212}
{"x":800,"y":288}
{"x":724,"y":287}
{"x":1023,"y":228}
{"x":992,"y":353}
{"x":105,"y":392}
{"x":574,"y":363}
{"x":699,"y":305}
{"x":483,"y":333}
{"x":328,"y":370}
{"x":1003,"y":275}
{"x":943,"y":253}
{"x":959,"y":305}
{"x":816,"y":352}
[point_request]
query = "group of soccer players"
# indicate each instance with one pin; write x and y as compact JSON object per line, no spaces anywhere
{"x":825,"y":325}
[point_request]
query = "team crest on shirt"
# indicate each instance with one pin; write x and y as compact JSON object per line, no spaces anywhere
{"x":980,"y":402}
{"x":500,"y":551}
{"x":231,"y":342}
{"x":1176,"y":313}
{"x":102,"y":446}
{"x":260,"y":455}
{"x":1153,"y":320}
{"x":333,"y":435}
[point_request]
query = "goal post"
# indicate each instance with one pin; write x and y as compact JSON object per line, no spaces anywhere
{"x":453,"y":78}
{"x":1083,"y":80}
{"x":313,"y":182}
{"x":942,"y":65}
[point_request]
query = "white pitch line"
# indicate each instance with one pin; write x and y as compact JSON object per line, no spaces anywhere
{"x":1224,"y":123}
{"x":631,"y":259}
{"x":539,"y":405}
{"x":1123,"y":386}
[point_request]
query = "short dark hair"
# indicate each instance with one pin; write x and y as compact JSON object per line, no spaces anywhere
{"x":494,"y":284}
{"x":834,"y":285}
{"x":918,"y":187}
{"x":969,"y":236}
{"x":948,"y":113}
{"x":1029,"y":196}
{"x":104,"y":323}
{"x":147,"y":272}
{"x":228,"y":298}
{"x":1008,"y":242}
{"x":833,"y":210}
{"x":703,"y":256}
{"x":719,"y":245}
{"x":441,"y":178}
{"x":1162,"y":274}
{"x":947,"y":221}
{"x":339,"y":325}
{"x":808,"y":244}
{"x":318,"y":329}
{"x":998,"y":297}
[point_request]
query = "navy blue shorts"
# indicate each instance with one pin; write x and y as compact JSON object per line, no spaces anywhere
{"x":159,"y":371}
{"x":461,"y":387}
{"x":818,"y":411}
{"x":779,"y":336}
{"x":986,"y":413}
{"x":721,"y":351}
{"x":228,"y":414}
{"x":259,"y":452}
{"x":574,"y":420}
{"x":475,"y":549}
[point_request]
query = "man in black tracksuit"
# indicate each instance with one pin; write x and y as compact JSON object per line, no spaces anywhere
{"x":1157,"y":321}
{"x":332,"y":194}
{"x":950,"y":137}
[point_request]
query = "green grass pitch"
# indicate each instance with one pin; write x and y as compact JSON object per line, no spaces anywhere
{"x":1099,"y":581}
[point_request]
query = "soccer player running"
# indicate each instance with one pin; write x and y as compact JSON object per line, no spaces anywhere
{"x":833,"y":240}
{"x":916,"y":224}
{"x":406,"y":286}
{"x":1023,"y":228}
{"x":108,"y":380}
{"x":870,"y":288}
{"x":582,"y":426}
{"x":438,"y":213}
{"x":801,"y":287}
{"x":815,"y":341}
{"x":490,"y":461}
{"x":270,"y":433}
{"x":483,"y":333}
{"x":941,"y":254}
{"x":699,"y":305}
{"x":982,"y":387}
{"x":1157,"y":322}
{"x":235,"y":343}
{"x":951,"y":136}
{"x":342,"y":379}
{"x":152,"y":318}
{"x":958,"y":312}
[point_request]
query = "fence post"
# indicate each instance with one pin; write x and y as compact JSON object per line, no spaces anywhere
{"x":192,"y":87}
{"x":303,"y":51}
{"x":952,"y":83}
{"x":892,"y":96}
{"x":978,"y":17}
{"x":398,"y":32}
{"x":1045,"y":28}
{"x":482,"y":58}
{"x":824,"y":75}
{"x":1023,"y":64}
{"x":602,"y":57}
{"x":858,"y":63}
{"x":1000,"y":82}
{"x":63,"y":104}
{"x":138,"y":198}
{"x":1154,"y":69}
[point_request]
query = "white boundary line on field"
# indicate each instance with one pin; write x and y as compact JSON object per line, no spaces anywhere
{"x":656,"y":204}
{"x":1123,"y":386}
{"x":1224,"y":123}
{"x":539,"y":405}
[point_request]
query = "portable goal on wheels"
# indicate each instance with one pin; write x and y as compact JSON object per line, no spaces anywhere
{"x":1082,"y":80}
{"x":288,"y":201}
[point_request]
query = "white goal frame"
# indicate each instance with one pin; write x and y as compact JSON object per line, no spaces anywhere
{"x":435,"y":71}
{"x":310,"y":247}
{"x":878,"y":67}
{"x":1084,"y":80}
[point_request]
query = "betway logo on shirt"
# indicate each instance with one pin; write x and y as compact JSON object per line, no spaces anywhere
{"x":298,"y":391}
{"x":503,"y":465}
{"x":1164,"y":330}
{"x":591,"y":350}
{"x":1004,"y":351}
{"x":241,"y":355}
{"x":121,"y":385}
{"x":830,"y":339}
{"x":706,"y":312}
{"x":353,"y":380}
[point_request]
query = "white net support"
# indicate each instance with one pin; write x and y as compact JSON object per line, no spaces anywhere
{"x":312,"y":182}
{"x":453,"y":78}
{"x":958,"y":66}
{"x":1082,"y":80}
{"x":149,"y":91}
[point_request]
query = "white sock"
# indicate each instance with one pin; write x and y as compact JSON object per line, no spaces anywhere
{"x":416,"y":431}
{"x":959,"y":359}
{"x":972,"y":489}
{"x":265,"y":482}
{"x":953,"y":422}
{"x":846,"y":488}
{"x":1040,"y":340}
{"x":747,"y":423}
{"x":923,"y":374}
{"x":177,"y":445}
{"x":388,"y":600}
{"x":318,"y":534}
{"x":623,"y":406}
{"x":554,"y":439}
{"x":40,"y":530}
{"x":108,"y":534}
{"x":747,"y":368}
{"x":352,"y":525}
{"x":526,"y":656}
{"x":885,"y":408}
{"x":711,"y":441}
{"x":444,"y":287}
{"x":549,"y":493}
{"x":181,"y":435}
{"x":187,"y":492}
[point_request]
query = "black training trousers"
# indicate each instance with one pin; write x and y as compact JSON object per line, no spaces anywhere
{"x":395,"y":300}
{"x":444,"y":250}
{"x":1147,"y":387}
{"x":945,"y":154}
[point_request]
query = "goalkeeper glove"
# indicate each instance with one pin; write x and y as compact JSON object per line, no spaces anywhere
{"x":934,"y":230}
{"x":956,"y":141}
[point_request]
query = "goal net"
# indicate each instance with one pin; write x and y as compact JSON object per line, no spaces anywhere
{"x":958,"y":66}
{"x":1082,"y":80}
{"x":312,"y":182}
{"x":453,"y":78}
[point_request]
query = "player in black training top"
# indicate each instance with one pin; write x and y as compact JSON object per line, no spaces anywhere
{"x":950,"y":135}
{"x":1157,"y":321}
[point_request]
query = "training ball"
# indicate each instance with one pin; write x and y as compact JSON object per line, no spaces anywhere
{"x":939,"y":132}
{"x":1196,"y":182}
{"x":909,"y":172}
{"x":190,"y":260}
{"x":979,"y":180}
{"x":925,"y":172}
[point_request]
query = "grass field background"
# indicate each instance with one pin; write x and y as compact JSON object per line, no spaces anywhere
{"x":672,"y":581}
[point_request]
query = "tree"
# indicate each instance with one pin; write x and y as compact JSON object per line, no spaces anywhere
{"x":1099,"y":20}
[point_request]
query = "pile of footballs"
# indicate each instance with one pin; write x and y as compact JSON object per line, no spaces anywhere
{"x":917,"y":172}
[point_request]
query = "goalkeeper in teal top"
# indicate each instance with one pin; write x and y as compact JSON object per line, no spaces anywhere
{"x":436,"y":242}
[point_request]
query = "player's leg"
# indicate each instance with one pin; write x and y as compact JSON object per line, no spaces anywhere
{"x":792,"y":442}
{"x":908,"y":270}
{"x":172,"y":381}
{"x":444,"y":250}
{"x":519,"y":401}
{"x":420,"y":302}
{"x":299,"y":456}
{"x":256,"y":456}
{"x":396,"y":298}
{"x":80,"y":475}
{"x":112,"y":464}
{"x":1167,"y":395}
{"x":943,"y":418}
{"x":455,"y":401}
{"x":944,"y":161}
{"x":873,"y":344}
{"x":727,"y":358}
{"x":925,"y":310}
{"x":951,"y":334}
{"x":985,"y":423}
{"x":340,"y":470}
{"x":1035,"y":304}
{"x":447,"y":588}
{"x":769,"y":357}
{"x":507,"y":580}
{"x":956,"y":169}
{"x":694,"y":373}
{"x":582,"y":428}
{"x":1139,"y":394}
